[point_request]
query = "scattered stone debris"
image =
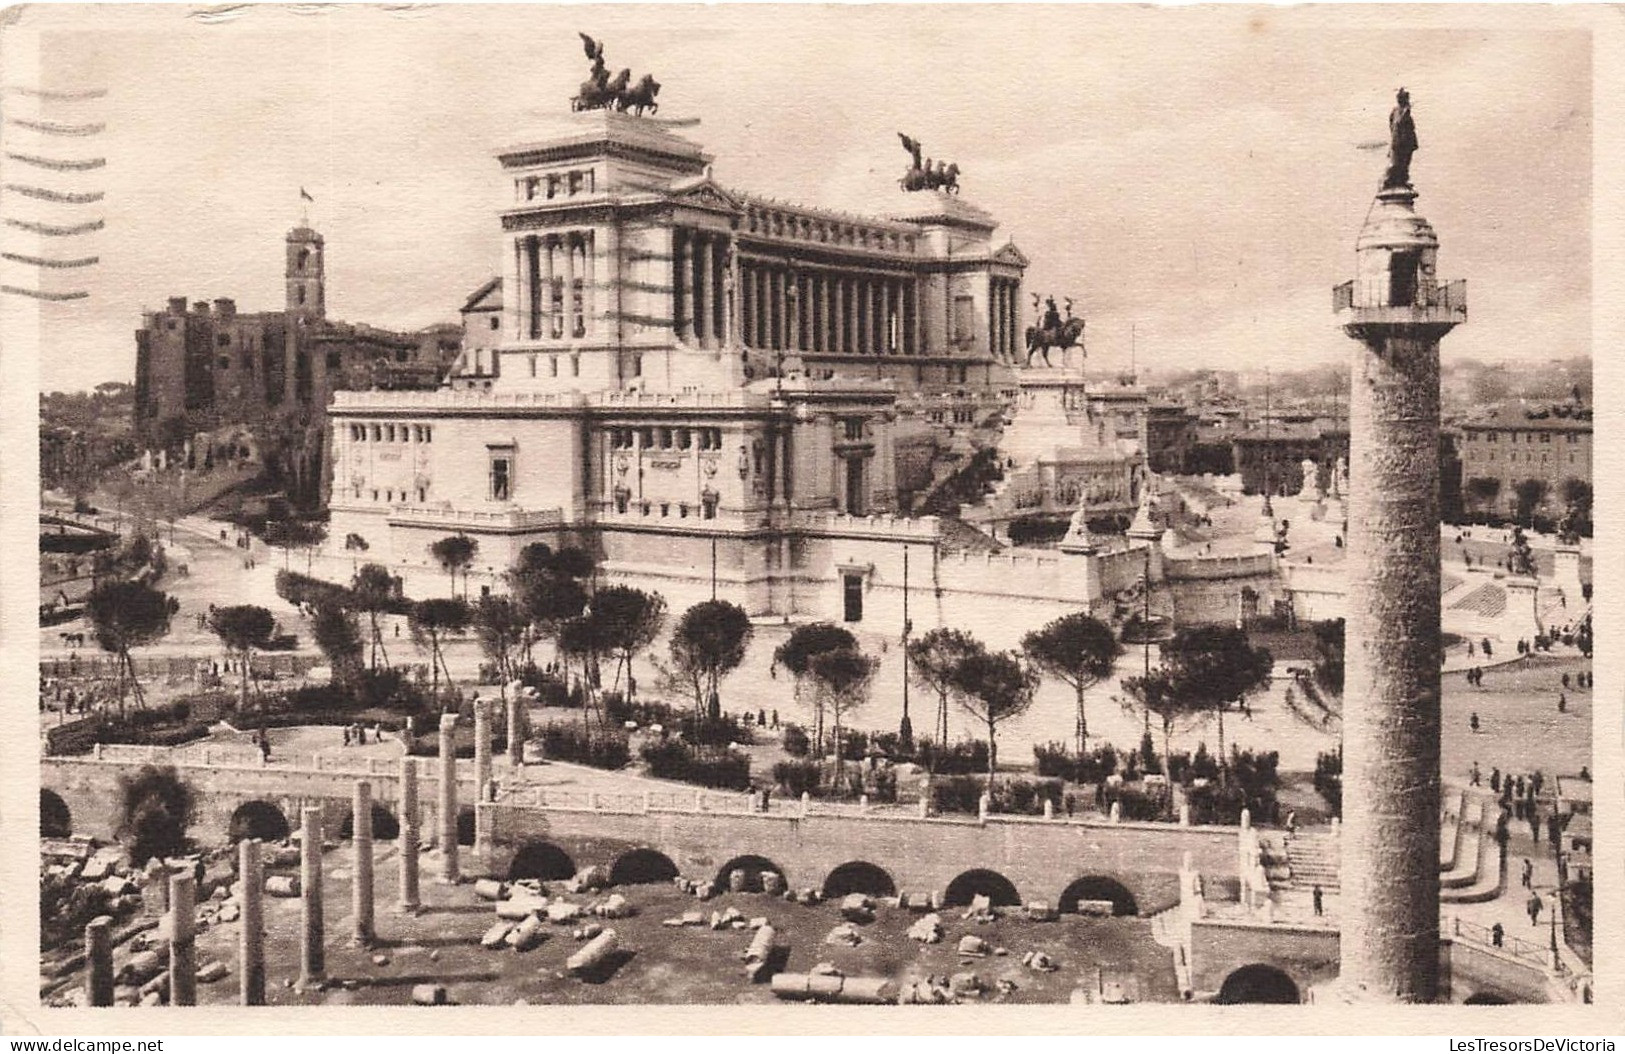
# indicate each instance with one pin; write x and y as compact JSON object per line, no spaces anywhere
{"x":966,"y":983}
{"x":1005,"y":986}
{"x":614,"y":907}
{"x":429,"y":994}
{"x":705,"y":890}
{"x":970,"y":944}
{"x":855,"y":907}
{"x":594,"y":953}
{"x":380,"y":960}
{"x":927,"y":930}
{"x":518,"y":908}
{"x":282,"y":885}
{"x":497,"y":935}
{"x":1039,"y":961}
{"x":587,"y":880}
{"x":527,"y":935}
{"x":772,"y":883}
{"x":212,"y":971}
{"x":1042,"y":911}
{"x":587,"y":932}
{"x":834,"y":988}
{"x":758,"y":922}
{"x":491,"y":889}
{"x":562,"y":911}
{"x":760,"y":955}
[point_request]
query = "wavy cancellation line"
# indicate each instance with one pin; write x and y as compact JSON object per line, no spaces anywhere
{"x":58,"y":95}
{"x":58,"y":128}
{"x":41,"y":294}
{"x":56,"y":230}
{"x":59,"y":164}
{"x":42,"y":261}
{"x":62,"y":197}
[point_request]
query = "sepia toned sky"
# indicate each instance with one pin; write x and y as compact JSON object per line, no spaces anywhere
{"x":1193,"y":174}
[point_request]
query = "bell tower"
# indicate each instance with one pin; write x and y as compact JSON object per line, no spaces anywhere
{"x":306,"y":274}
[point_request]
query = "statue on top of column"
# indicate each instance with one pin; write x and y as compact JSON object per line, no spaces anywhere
{"x":600,"y":92}
{"x":1401,"y":143}
{"x":1052,"y":331}
{"x":924,"y":175}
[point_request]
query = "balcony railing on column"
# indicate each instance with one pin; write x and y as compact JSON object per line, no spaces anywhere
{"x":1355,"y":294}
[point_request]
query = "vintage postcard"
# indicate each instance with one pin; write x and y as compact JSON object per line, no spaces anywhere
{"x":1087,"y":518}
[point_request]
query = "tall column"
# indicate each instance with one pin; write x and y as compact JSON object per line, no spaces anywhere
{"x":912,"y":294}
{"x":448,"y":799}
{"x":312,"y":955}
{"x":529,"y":299}
{"x":876,"y":344}
{"x":361,"y":845}
{"x":719,"y":290}
{"x":542,"y":326}
{"x":1390,"y":869}
{"x":99,"y":961}
{"x":570,"y":273}
{"x":679,"y":283}
{"x":697,"y":253}
{"x":838,"y":317}
{"x":411,"y":835}
{"x":727,"y":294}
{"x":251,"y":935}
{"x":854,"y":316}
{"x":821,"y":314}
{"x":516,"y":731}
{"x":183,"y":939}
{"x":482,"y":746}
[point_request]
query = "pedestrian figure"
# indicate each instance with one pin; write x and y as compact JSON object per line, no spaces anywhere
{"x":1497,"y":934}
{"x":1534,"y":909}
{"x":1565,"y":680}
{"x":1495,"y":780}
{"x":1528,"y":874}
{"x":1554,"y":830}
{"x":1472,"y":722}
{"x":775,"y":720}
{"x":1475,"y":774}
{"x":1318,"y":896}
{"x":1071,"y":805}
{"x":1562,"y":703}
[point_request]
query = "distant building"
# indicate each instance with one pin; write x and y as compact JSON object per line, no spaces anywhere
{"x":477,"y":365}
{"x":1171,"y":431}
{"x":212,"y":367}
{"x":1270,"y":457}
{"x":1545,"y":454}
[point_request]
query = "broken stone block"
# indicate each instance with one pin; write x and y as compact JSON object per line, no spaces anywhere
{"x":230,"y":913}
{"x":772,"y":883}
{"x":736,"y":880}
{"x":927,"y":930}
{"x":716,"y":920}
{"x":588,"y":879}
{"x":141,"y":968}
{"x":758,"y":922}
{"x":855,"y":907}
{"x":966,"y":983}
{"x":1039,"y":961}
{"x":282,"y":886}
{"x":844,"y":935}
{"x":520,"y":907}
{"x":429,"y":994}
{"x":380,"y":960}
{"x":614,"y":907}
{"x":117,"y":885}
{"x":704,"y":890}
{"x":1042,"y":911}
{"x":593,"y":955}
{"x":526,"y":935}
{"x":981,"y":904}
{"x":561,"y":911}
{"x":1001,"y":951}
{"x":826,"y":969}
{"x":490,"y":889}
{"x":694,"y":918}
{"x":587,"y":932}
{"x":497,"y":935}
{"x":971,"y":944}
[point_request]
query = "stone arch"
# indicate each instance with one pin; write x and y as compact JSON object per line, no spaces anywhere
{"x":1486,"y":999}
{"x":385,"y":827}
{"x":642,"y":865}
{"x":258,"y":819}
{"x":544,"y":860}
{"x":1259,"y":983}
{"x":753,"y":866}
{"x":967,"y":885}
{"x":859,"y":876}
{"x":1099,"y":887}
{"x":55,"y":818}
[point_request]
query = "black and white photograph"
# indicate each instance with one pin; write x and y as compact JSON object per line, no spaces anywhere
{"x":803,"y":508}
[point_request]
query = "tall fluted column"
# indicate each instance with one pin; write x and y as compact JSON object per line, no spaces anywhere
{"x":411,"y":836}
{"x":251,"y":937}
{"x":699,"y":262}
{"x":570,"y":273}
{"x":542,"y":326}
{"x":183,"y":939}
{"x":482,"y":746}
{"x":679,"y":284}
{"x":99,"y":961}
{"x":312,"y":950}
{"x":516,"y":731}
{"x":448,"y":799}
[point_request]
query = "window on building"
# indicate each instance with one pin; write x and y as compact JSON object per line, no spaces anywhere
{"x":533,"y":365}
{"x":854,"y":428}
{"x":553,"y":365}
{"x":389,"y":433}
{"x":665,"y":439}
{"x":575,"y":182}
{"x":501,"y":474}
{"x":575,"y":361}
{"x":301,"y":294}
{"x":1546,"y":437}
{"x":404,"y":436}
{"x":375,"y":494}
{"x":646,"y":437}
{"x":684,"y":440}
{"x":423,"y":495}
{"x":552,"y":186}
{"x":428,"y":433}
{"x":637,"y":365}
{"x":377,"y":433}
{"x":496,"y":323}
{"x":852,"y":597}
{"x":224,"y":340}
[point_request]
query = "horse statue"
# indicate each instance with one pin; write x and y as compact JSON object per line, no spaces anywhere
{"x":923,"y":174}
{"x":945,"y":178}
{"x":640,"y":97}
{"x":594,"y":92}
{"x":1053,"y":332}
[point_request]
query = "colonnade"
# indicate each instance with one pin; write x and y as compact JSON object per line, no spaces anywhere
{"x":556,"y":278}
{"x":1004,"y":337}
{"x":807,"y":309}
{"x":699,"y":293}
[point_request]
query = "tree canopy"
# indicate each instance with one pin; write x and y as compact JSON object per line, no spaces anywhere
{"x":242,"y":628}
{"x":709,"y":642}
{"x":934,"y":662}
{"x":1078,"y":650}
{"x":995,"y":687}
{"x":125,"y":615}
{"x":455,"y":554}
{"x":842,"y":678}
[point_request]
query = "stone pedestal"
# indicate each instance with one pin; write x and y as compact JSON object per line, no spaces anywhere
{"x":1566,"y":576}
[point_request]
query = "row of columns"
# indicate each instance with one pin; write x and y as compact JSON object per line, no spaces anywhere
{"x":556,"y":279}
{"x":785,"y":308}
{"x":181,"y":886}
{"x":1004,"y":318}
{"x":699,"y":293}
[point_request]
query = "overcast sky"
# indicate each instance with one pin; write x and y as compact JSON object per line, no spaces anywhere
{"x":1194,"y":174}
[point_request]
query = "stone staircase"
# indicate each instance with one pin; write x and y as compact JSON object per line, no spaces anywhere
{"x":1312,"y":860}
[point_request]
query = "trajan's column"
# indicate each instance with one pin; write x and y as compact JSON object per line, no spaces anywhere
{"x":1398,"y":310}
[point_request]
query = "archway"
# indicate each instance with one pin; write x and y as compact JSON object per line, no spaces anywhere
{"x":542,"y":860}
{"x":640,"y":866}
{"x":981,"y":882}
{"x":465,"y":827}
{"x":1486,"y":999}
{"x":859,"y":876}
{"x":385,"y":827}
{"x":1099,"y":887}
{"x":753,"y":866}
{"x":55,"y":818}
{"x":1259,"y":984}
{"x":258,"y":819}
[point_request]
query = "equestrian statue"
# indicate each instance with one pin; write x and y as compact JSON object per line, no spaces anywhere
{"x":602,"y":92}
{"x":1052,"y":331}
{"x":923,"y":175}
